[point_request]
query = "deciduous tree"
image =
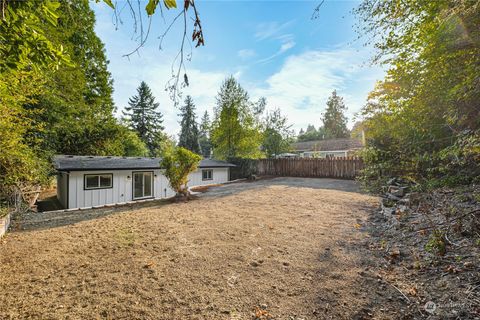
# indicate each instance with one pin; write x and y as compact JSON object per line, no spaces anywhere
{"x":277,"y":135}
{"x":235,"y":131}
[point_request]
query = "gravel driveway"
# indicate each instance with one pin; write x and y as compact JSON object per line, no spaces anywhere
{"x":284,"y":248}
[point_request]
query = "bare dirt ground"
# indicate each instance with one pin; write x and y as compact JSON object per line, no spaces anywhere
{"x":284,"y":248}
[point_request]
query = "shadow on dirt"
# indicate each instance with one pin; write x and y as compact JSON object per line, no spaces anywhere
{"x":290,"y":182}
{"x":48,"y":220}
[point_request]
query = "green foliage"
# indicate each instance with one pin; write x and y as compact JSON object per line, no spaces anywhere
{"x":189,"y":134}
{"x":356,"y":132}
{"x":166,"y":146}
{"x":19,"y":164}
{"x":23,"y":42}
{"x":311,"y":134}
{"x":52,"y":102}
{"x":143,"y":117}
{"x":334,"y":120}
{"x":178,"y":164}
{"x":244,"y":168}
{"x":420,"y":118}
{"x":76,"y":112}
{"x":204,"y":136}
{"x":277,"y":136}
{"x":130,"y":144}
{"x":436,"y":243}
{"x":235,"y":130}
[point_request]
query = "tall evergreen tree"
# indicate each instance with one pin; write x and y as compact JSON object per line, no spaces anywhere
{"x":334,"y":119}
{"x":143,"y":118}
{"x":189,"y":133}
{"x":235,"y":131}
{"x":204,"y":137}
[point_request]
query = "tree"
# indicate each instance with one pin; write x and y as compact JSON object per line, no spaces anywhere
{"x":132,"y":145}
{"x":277,"y":135}
{"x":29,"y":46}
{"x":178,"y":164}
{"x":143,"y":117}
{"x":311,"y":134}
{"x":189,"y":133}
{"x":235,"y":132}
{"x":204,"y":136}
{"x":357,"y":131}
{"x":334,"y":120}
{"x":427,"y":105}
{"x":78,"y":107}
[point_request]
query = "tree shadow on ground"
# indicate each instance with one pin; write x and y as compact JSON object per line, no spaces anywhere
{"x":290,"y":182}
{"x":352,"y":284}
{"x":47,"y":220}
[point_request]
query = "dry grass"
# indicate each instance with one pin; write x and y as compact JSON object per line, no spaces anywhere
{"x":279,"y":250}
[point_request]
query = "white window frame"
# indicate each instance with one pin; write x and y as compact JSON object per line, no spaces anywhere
{"x":207,"y":171}
{"x":99,"y":186}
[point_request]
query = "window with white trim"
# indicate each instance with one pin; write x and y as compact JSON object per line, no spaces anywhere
{"x":207,"y":174}
{"x":98,"y":181}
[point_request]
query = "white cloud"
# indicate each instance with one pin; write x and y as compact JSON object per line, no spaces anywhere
{"x":272,"y":29}
{"x":283,"y":48}
{"x":303,"y":84}
{"x":246,"y":53}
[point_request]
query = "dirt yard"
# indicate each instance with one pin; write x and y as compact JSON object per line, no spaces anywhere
{"x":285,"y":248}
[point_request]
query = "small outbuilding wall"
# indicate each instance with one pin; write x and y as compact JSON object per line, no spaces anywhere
{"x":218,"y":175}
{"x":88,"y":181}
{"x":120,"y":192}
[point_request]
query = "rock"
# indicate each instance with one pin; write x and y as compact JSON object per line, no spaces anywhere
{"x":392,"y":197}
{"x":263,"y":306}
{"x":254,"y":263}
{"x":286,"y":264}
{"x":397,"y":191}
{"x":391,"y":181}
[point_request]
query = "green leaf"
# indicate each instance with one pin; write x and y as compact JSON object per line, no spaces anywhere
{"x":170,"y":3}
{"x":109,"y":3}
{"x":151,"y":6}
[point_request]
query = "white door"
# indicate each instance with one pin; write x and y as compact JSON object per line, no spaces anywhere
{"x":142,"y":185}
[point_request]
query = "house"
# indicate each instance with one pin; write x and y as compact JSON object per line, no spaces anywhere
{"x":88,"y":181}
{"x":344,"y":147}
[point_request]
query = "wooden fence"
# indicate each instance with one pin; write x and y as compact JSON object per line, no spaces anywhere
{"x":344,"y":167}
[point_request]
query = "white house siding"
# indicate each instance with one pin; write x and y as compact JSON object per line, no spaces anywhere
{"x":62,"y":181}
{"x":220,"y":175}
{"x":120,"y":192}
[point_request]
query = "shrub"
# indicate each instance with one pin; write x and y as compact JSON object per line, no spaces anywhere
{"x":178,"y":164}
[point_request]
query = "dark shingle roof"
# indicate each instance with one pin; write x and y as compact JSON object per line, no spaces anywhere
{"x":328,"y":145}
{"x":85,"y":163}
{"x":211,"y":163}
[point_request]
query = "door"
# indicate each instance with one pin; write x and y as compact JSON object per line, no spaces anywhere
{"x":142,"y":185}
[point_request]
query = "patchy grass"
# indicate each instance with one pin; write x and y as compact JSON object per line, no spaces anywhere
{"x":282,"y":248}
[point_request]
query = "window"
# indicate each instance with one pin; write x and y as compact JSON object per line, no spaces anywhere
{"x":98,"y":181}
{"x":207,"y":174}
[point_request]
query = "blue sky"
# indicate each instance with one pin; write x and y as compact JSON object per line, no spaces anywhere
{"x":273,"y":48}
